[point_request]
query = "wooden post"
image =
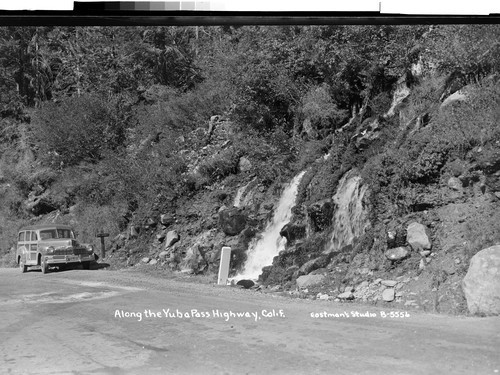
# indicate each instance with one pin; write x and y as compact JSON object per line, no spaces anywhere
{"x":225,"y":257}
{"x":103,"y":247}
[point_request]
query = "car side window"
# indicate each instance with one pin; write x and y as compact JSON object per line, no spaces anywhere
{"x":48,"y":234}
{"x":21,"y":236}
{"x":34,"y":237}
{"x":28,"y":236}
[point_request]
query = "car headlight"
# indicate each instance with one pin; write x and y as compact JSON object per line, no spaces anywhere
{"x":90,"y":248}
{"x":50,"y":250}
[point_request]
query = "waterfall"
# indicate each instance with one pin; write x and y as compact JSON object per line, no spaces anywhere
{"x":262,"y":251}
{"x":350,"y":218}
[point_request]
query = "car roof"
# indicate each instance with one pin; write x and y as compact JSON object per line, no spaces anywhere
{"x":45,"y":226}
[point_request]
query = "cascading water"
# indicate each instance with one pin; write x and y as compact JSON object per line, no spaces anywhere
{"x":350,"y":218}
{"x":262,"y":251}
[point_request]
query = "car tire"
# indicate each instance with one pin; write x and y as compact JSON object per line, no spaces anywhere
{"x":86,"y":265}
{"x":22,"y":266}
{"x":44,"y":267}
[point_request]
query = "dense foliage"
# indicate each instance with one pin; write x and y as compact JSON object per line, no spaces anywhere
{"x":121,"y":107}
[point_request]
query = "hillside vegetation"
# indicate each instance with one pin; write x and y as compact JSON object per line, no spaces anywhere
{"x":142,"y":131}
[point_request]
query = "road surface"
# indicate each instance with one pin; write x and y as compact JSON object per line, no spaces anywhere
{"x":123,"y":322}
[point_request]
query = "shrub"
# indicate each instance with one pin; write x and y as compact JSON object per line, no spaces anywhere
{"x":75,"y":130}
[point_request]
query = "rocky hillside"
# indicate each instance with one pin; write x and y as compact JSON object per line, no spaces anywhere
{"x":394,"y":143}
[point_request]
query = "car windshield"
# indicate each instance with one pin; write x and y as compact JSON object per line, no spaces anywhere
{"x":48,"y":234}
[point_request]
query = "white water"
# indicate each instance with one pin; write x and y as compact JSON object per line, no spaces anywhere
{"x":350,"y":218}
{"x":262,"y":251}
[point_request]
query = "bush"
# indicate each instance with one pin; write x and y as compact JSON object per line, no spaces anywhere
{"x":75,"y":130}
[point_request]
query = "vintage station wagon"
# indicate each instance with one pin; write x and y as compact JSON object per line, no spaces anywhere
{"x":50,"y":245}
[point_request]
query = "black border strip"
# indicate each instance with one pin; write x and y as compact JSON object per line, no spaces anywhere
{"x":96,"y":17}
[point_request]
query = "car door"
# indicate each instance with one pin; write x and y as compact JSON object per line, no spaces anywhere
{"x":33,"y":245}
{"x":21,"y":246}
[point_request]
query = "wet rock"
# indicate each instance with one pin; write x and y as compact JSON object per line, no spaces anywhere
{"x":232,"y":221}
{"x":320,"y":215}
{"x":309,"y":280}
{"x":417,"y":237}
{"x":171,"y":238}
{"x":481,"y":284}
{"x":293,"y":232}
{"x":246,"y":284}
{"x":399,"y":253}
{"x":388,"y":295}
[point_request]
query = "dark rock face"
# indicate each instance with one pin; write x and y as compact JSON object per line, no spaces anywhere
{"x":247,"y":284}
{"x":320,"y":215}
{"x":293,"y":232}
{"x":232,"y":221}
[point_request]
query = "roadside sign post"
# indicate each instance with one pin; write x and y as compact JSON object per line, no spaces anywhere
{"x":225,"y":257}
{"x":103,"y":248}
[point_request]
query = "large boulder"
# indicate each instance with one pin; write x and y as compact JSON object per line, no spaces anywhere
{"x":293,"y":232}
{"x":193,"y":262}
{"x":417,"y":237}
{"x":309,"y":280}
{"x":320,"y":215}
{"x":232,"y":221}
{"x":171,"y":238}
{"x":481,"y":285}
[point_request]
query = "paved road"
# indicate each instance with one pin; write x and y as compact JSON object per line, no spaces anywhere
{"x":122,"y":322}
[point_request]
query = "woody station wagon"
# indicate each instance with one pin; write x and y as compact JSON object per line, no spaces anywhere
{"x":51,"y":245}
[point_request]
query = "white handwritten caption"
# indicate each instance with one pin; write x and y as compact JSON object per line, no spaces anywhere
{"x":196,"y":314}
{"x":357,"y":314}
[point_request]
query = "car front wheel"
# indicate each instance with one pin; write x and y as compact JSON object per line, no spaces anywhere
{"x":45,"y":267}
{"x":22,"y":266}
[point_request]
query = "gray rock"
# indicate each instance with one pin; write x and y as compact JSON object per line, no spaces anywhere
{"x":293,"y":232}
{"x":171,"y":238}
{"x":232,"y":221}
{"x":145,"y":259}
{"x":346,"y":295}
{"x":455,"y":184}
{"x":417,"y":237}
{"x":389,"y":283}
{"x":163,"y":255}
{"x":313,"y":264}
{"x":388,"y":295}
{"x":244,"y":164}
{"x":153,"y":261}
{"x":397,"y":253}
{"x":481,"y":284}
{"x":309,"y":280}
{"x":322,"y":296}
{"x":167,"y":219}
